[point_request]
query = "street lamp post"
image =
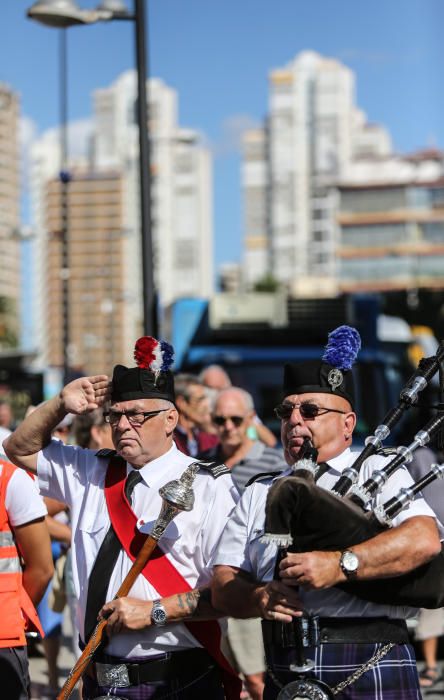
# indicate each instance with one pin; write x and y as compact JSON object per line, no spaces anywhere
{"x":64,"y":207}
{"x":149,"y":295}
{"x":66,"y":13}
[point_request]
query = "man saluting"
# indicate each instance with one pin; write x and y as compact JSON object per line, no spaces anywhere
{"x":155,"y":645}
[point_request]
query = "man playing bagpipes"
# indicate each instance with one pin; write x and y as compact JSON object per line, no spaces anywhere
{"x":354,"y":648}
{"x":157,"y":643}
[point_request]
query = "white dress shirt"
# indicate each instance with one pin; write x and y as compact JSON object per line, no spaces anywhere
{"x":241,"y":546}
{"x":76,"y":477}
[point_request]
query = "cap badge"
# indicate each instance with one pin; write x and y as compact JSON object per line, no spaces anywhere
{"x":335,"y":378}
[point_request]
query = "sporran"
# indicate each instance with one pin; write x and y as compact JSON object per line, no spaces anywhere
{"x":305,"y":689}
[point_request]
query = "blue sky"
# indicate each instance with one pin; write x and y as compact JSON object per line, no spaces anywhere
{"x":217,"y":55}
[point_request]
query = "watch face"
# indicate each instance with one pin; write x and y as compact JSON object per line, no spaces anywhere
{"x":350,"y":561}
{"x":158,"y":616}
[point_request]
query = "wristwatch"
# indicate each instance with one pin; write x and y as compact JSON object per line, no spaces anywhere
{"x":158,"y":614}
{"x":349,"y":563}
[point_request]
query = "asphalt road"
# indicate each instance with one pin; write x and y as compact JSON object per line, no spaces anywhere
{"x":437,"y":692}
{"x":37,"y":667}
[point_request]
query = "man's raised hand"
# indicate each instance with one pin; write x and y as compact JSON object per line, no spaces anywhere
{"x":85,"y":394}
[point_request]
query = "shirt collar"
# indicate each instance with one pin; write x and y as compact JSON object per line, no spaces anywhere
{"x":155,"y":473}
{"x":340,"y":462}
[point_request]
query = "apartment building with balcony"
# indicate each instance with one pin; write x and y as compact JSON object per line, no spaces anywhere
{"x":391,"y":225}
{"x":103,"y":226}
{"x":96,"y":249}
{"x":290,"y":169}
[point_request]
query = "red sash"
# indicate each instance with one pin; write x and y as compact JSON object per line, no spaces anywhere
{"x":160,"y":572}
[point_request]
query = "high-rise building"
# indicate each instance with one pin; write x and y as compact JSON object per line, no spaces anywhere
{"x":181,"y":183}
{"x":391,"y":222}
{"x":312,"y":133}
{"x":96,"y":242}
{"x":9,"y":218}
{"x":105,"y":282}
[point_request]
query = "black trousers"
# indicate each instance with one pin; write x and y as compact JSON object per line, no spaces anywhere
{"x":14,"y":673}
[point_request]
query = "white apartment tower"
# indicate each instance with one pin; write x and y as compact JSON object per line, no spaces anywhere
{"x":181,"y":198}
{"x":9,"y":217}
{"x":312,"y":133}
{"x":181,"y":222}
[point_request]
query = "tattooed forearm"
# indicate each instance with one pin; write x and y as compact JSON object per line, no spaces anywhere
{"x":192,"y":605}
{"x":192,"y":599}
{"x":188,"y":601}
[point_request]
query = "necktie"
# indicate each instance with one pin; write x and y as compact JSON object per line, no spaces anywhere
{"x":104,"y":565}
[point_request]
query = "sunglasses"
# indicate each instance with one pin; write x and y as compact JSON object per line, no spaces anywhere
{"x":221,"y":420}
{"x":307,"y":410}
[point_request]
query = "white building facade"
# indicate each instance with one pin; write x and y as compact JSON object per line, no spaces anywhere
{"x":181,"y":173}
{"x":181,"y":201}
{"x":9,"y":217}
{"x":312,"y":134}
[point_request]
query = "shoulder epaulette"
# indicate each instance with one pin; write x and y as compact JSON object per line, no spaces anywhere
{"x":106,"y":452}
{"x":216,"y":469}
{"x":260,"y":476}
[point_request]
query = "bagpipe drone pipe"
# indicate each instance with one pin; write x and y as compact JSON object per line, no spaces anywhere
{"x":303,"y":517}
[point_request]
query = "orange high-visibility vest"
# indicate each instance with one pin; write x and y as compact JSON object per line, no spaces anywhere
{"x":18,"y":613}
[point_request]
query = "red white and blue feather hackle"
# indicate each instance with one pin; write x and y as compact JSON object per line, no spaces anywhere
{"x":154,"y":355}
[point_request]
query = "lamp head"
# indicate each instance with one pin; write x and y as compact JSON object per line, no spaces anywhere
{"x":60,"y":13}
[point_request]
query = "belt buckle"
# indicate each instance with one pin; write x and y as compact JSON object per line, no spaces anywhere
{"x":115,"y":675}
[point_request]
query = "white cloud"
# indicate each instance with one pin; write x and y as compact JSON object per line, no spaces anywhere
{"x":79,"y":133}
{"x":231,"y":134}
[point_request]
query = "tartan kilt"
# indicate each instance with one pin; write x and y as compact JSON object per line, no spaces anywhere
{"x":395,"y":676}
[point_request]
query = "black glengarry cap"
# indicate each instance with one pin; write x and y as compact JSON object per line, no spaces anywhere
{"x":332,"y":374}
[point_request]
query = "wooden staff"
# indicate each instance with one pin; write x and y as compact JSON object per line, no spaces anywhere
{"x":177,"y":496}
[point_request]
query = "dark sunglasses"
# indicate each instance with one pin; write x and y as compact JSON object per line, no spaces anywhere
{"x":307,"y":410}
{"x":221,"y":420}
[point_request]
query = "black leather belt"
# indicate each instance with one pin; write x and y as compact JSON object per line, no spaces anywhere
{"x":183,"y":665}
{"x":363,"y":631}
{"x":312,"y":631}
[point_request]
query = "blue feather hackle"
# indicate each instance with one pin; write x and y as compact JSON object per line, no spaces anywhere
{"x":167,"y":355}
{"x":342,"y":348}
